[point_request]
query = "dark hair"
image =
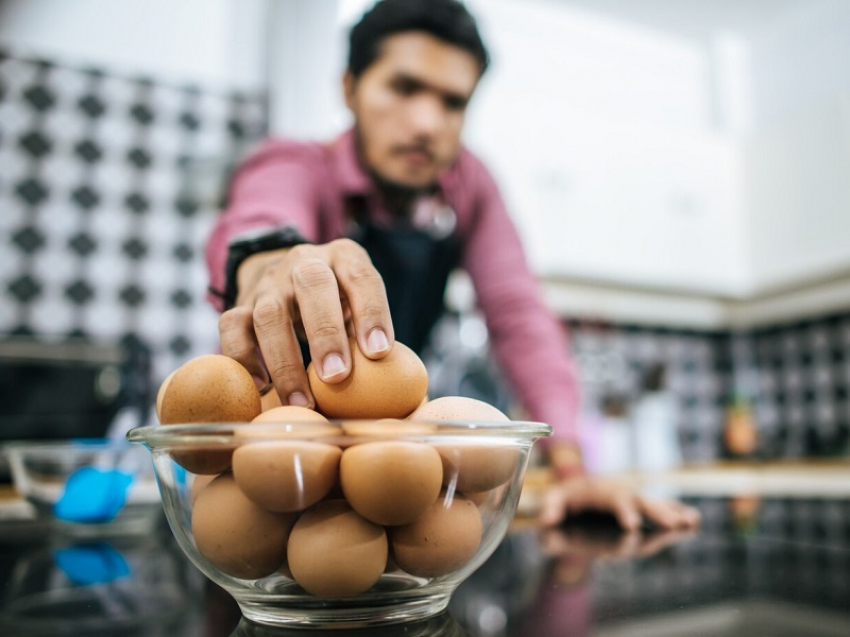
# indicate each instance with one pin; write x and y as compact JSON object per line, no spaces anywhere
{"x":447,"y":20}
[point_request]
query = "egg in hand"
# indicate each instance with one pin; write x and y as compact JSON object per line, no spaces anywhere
{"x":389,"y":387}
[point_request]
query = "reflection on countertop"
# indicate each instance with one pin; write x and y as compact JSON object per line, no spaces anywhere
{"x":759,"y":565}
{"x":53,"y":585}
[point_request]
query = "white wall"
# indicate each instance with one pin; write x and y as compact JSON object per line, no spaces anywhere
{"x":215,"y":43}
{"x":306,"y":61}
{"x":605,"y":141}
{"x":797,"y":161}
{"x":635,"y":156}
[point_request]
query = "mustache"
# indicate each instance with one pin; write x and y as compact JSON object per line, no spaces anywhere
{"x":416,"y":148}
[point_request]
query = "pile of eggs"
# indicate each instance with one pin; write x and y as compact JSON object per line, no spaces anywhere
{"x":334,"y":504}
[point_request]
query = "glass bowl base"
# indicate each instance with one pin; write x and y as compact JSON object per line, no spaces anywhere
{"x":356,"y":615}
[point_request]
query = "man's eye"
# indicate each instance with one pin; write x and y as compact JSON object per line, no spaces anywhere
{"x":455,"y":103}
{"x":405,"y":87}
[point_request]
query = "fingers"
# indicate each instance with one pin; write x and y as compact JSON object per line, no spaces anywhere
{"x":236,"y":331}
{"x":331,"y":292}
{"x":275,"y":334}
{"x":317,"y":295}
{"x":624,"y":506}
{"x":628,"y":508}
{"x":364,"y":292}
{"x":669,"y":514}
{"x":660,"y":513}
{"x":690,"y":515}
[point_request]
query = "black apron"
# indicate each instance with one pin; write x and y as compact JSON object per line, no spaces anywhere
{"x":415,"y":265}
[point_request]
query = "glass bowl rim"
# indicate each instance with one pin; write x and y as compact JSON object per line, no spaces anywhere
{"x":157,"y":435}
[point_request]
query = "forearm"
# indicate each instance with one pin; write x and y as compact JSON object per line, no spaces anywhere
{"x":531,"y":347}
{"x":273,"y":188}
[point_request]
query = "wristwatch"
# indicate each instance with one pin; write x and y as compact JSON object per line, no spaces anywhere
{"x":244,"y":245}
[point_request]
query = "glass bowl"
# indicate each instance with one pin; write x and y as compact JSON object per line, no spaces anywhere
{"x":87,"y":487}
{"x":340,"y":524}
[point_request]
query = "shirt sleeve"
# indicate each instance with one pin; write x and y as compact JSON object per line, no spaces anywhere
{"x":529,"y":342}
{"x":273,"y":187}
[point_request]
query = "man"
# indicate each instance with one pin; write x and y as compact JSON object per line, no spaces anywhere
{"x":360,"y":235}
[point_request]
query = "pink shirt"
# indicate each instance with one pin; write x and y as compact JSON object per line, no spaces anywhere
{"x":307,"y":184}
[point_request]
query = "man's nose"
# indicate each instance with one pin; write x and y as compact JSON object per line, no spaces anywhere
{"x":427,"y":115}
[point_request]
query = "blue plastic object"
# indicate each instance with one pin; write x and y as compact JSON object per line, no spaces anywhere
{"x":93,"y":495}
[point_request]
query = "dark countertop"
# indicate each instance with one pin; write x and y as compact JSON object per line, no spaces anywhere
{"x":772,"y":567}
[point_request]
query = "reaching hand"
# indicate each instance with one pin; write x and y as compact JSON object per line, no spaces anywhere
{"x":323,"y":292}
{"x":579,"y":494}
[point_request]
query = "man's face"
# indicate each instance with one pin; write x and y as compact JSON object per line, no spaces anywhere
{"x":409,"y":106}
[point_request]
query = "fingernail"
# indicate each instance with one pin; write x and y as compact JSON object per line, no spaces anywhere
{"x":298,"y":399}
{"x":332,"y":366}
{"x":377,"y":341}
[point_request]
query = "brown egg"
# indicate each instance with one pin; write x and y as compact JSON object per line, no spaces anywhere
{"x":286,"y":475}
{"x":293,"y":431}
{"x":467,"y":466}
{"x":471,"y":468}
{"x":359,"y":431}
{"x":270,"y":400}
{"x":391,"y":387}
{"x":288,"y":421}
{"x":458,"y":408}
{"x":204,"y":458}
{"x":478,"y":498}
{"x":208,"y":389}
{"x":200,"y":482}
{"x":333,"y":551}
{"x":391,"y":482}
{"x":424,"y":400}
{"x":441,"y":541}
{"x":237,"y":536}
{"x":284,"y":414}
{"x":161,"y":393}
{"x":211,"y":388}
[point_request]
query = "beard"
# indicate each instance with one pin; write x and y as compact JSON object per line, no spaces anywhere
{"x":397,"y":196}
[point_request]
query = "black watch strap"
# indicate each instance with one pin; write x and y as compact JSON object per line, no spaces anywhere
{"x":243,"y":246}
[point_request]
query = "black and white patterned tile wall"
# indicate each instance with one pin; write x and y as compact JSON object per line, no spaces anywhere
{"x":800,"y":382}
{"x":615,"y":361}
{"x":796,"y":377}
{"x":101,"y":227}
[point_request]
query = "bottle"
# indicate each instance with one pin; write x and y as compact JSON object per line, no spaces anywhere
{"x":740,"y":436}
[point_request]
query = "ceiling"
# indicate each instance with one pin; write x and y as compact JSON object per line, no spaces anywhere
{"x":698,"y":18}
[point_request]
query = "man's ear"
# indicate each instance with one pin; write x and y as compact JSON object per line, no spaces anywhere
{"x":348,"y":86}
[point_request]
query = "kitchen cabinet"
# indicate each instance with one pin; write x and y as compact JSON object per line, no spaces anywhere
{"x":642,"y":158}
